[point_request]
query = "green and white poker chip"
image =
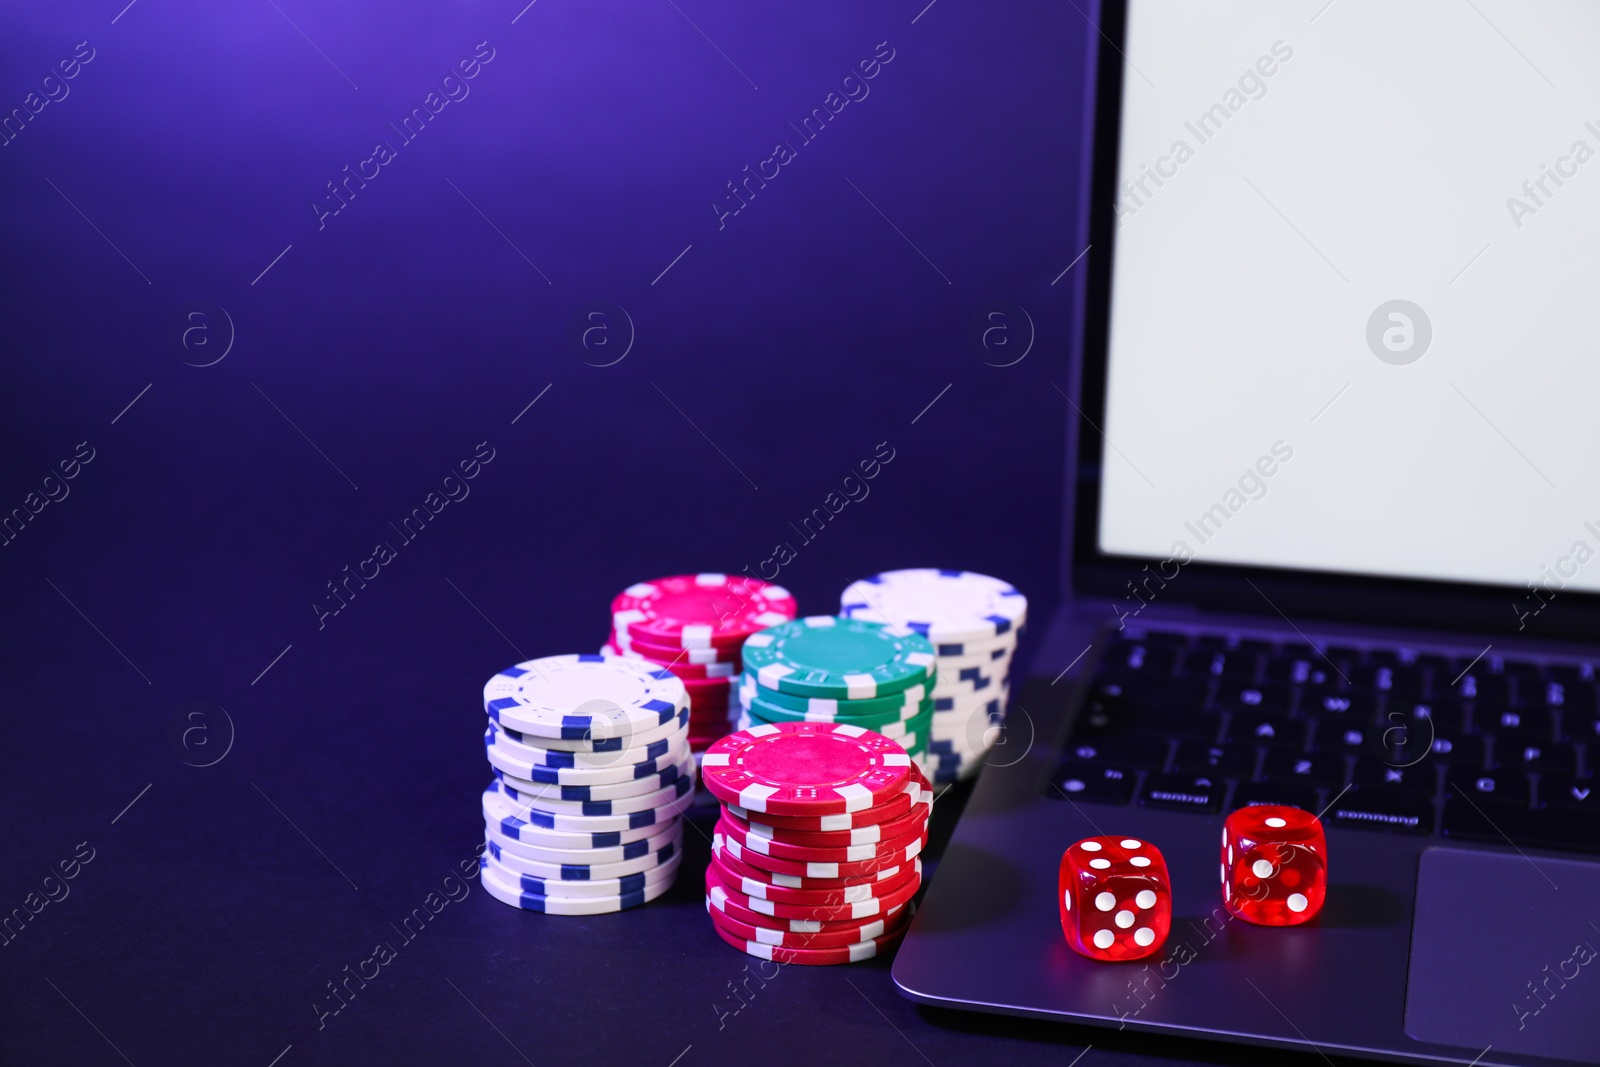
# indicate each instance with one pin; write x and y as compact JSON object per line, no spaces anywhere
{"x":838,"y":658}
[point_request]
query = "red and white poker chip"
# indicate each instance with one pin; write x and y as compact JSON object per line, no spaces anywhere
{"x":864,"y":950}
{"x":890,"y":849}
{"x":913,"y":821}
{"x":729,"y":898}
{"x":800,"y":869}
{"x":806,"y":769}
{"x":912,"y":793}
{"x":832,"y":935}
{"x":760,"y":889}
{"x":700,"y":610}
{"x":739,"y":867}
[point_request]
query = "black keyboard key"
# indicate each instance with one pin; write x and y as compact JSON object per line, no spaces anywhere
{"x":1560,"y":791}
{"x":1375,"y":774}
{"x":1398,"y":681}
{"x":1333,"y":735}
{"x":1303,"y":797}
{"x":1256,"y":729}
{"x":1149,"y":753}
{"x":1447,"y":715}
{"x":1475,"y":685}
{"x":1267,"y":698}
{"x":1485,"y":786}
{"x":1576,"y":698}
{"x":1571,"y":673}
{"x":1181,"y":724}
{"x":1148,"y":689}
{"x":1305,"y":671}
{"x":1182,"y":792}
{"x":1536,"y":756}
{"x":1344,"y":705}
{"x":1322,"y":768}
{"x":1530,"y":724}
{"x":1343,"y":655}
{"x":1484,"y":820}
{"x":1208,"y":663}
{"x":1380,"y":809}
{"x":1233,"y":761}
{"x":1404,"y":741}
{"x":1155,"y":660}
{"x":1166,"y":638}
{"x":1086,"y":781}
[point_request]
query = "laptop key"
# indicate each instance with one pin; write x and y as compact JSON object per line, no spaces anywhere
{"x":1322,"y":768}
{"x":1336,"y":736}
{"x":1181,"y":723}
{"x":1303,"y":797}
{"x":1532,"y":724}
{"x":1418,"y":778}
{"x":1099,"y":785}
{"x":1396,"y":680}
{"x":1182,"y":792}
{"x":1203,"y":663}
{"x":1148,"y":753}
{"x":1561,"y":791}
{"x":1486,"y":786}
{"x":1267,"y":698}
{"x":1155,"y":660}
{"x":1485,"y":820}
{"x":1381,"y":809}
{"x":1343,"y":705}
{"x":1559,"y":758}
{"x":1490,"y":688}
{"x":1303,"y":671}
{"x":1257,"y":729}
{"x":1233,"y":761}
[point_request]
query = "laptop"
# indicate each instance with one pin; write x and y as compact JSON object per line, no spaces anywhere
{"x":1333,"y":538}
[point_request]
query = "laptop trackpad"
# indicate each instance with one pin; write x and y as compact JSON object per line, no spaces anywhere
{"x":1505,"y":951}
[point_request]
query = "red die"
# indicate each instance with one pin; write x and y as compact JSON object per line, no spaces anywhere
{"x":1274,"y":865}
{"x":1116,"y":900}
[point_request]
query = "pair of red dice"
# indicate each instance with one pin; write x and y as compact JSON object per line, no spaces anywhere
{"x":1116,"y":896}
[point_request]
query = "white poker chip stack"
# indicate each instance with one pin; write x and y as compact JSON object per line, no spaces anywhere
{"x":973,"y":621}
{"x":592,"y":775}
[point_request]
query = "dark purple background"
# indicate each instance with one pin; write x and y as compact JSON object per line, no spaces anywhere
{"x":390,"y":343}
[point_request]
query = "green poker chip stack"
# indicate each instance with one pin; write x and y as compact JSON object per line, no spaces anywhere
{"x":827,"y":668}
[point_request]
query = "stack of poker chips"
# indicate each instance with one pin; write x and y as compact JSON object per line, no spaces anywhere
{"x":592,"y":773}
{"x":694,"y":626}
{"x":973,"y":621}
{"x":815,"y":856}
{"x":826,"y":668}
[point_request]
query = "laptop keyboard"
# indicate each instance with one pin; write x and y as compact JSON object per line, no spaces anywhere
{"x":1381,"y":739}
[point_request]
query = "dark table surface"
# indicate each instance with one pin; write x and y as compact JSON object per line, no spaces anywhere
{"x":220,"y":394}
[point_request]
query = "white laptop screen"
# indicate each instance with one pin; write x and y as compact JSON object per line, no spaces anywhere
{"x":1355,"y":318}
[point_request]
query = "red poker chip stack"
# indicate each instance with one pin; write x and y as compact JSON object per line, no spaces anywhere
{"x":695,"y":625}
{"x":815,"y":855}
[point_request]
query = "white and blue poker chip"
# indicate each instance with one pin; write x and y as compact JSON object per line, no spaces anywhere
{"x":948,"y":607}
{"x":524,"y":791}
{"x":542,"y":873}
{"x":584,"y":697}
{"x":512,"y":892}
{"x":511,"y":818}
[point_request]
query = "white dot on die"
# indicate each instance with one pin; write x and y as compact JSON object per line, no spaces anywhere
{"x":1140,"y":861}
{"x":1276,"y":822}
{"x":1090,"y":846}
{"x":1224,"y":835}
{"x":1297,"y":902}
{"x":1230,"y":853}
{"x":1261,"y":869}
{"x":1099,"y":865}
{"x":1103,"y":938}
{"x":1144,"y":935}
{"x":1105,"y":901}
{"x":1227,"y":890}
{"x":1145,"y":899}
{"x":1124,"y":919}
{"x":1130,"y":843}
{"x":1066,"y":900}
